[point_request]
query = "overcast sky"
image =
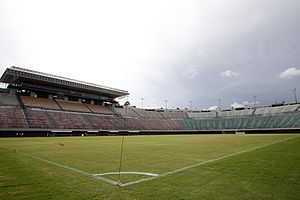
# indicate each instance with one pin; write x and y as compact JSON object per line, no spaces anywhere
{"x":179,"y":51}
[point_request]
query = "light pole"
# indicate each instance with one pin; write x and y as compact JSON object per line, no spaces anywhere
{"x":166,"y":103}
{"x":294,"y":90}
{"x":190,"y":105}
{"x":142,"y":102}
{"x":219,"y":104}
{"x":254,"y":100}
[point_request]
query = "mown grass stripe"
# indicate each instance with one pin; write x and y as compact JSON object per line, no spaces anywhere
{"x":203,"y":163}
{"x":71,"y":168}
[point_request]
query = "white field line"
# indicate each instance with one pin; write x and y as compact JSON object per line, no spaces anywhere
{"x":202,"y":163}
{"x":72,"y":169}
{"x":139,"y":173}
{"x":154,"y":176}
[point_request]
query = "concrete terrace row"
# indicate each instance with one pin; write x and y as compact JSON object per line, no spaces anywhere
{"x":39,"y":113}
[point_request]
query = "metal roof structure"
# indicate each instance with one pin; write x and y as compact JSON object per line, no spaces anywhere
{"x":16,"y":75}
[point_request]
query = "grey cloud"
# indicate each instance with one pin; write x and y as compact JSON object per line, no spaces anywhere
{"x":259,"y":55}
{"x":252,"y":42}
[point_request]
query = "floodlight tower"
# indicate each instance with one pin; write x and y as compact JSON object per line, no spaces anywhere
{"x":190,"y":105}
{"x":219,"y":104}
{"x":294,"y":90}
{"x":254,"y":101}
{"x":142,"y":99}
{"x":166,"y":103}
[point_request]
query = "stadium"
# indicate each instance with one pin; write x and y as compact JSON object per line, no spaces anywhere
{"x":149,"y":100}
{"x":149,"y":153}
{"x":40,"y":104}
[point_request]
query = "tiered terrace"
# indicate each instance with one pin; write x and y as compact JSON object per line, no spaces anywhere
{"x":39,"y":103}
{"x":39,"y":113}
{"x":12,"y":117}
{"x":72,"y":106}
{"x":99,"y":109}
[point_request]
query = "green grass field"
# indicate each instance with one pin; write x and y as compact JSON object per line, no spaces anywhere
{"x":187,"y":167}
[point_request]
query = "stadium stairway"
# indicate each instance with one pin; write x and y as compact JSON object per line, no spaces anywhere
{"x":24,"y":112}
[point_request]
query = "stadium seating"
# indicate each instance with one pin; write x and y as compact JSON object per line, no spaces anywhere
{"x":12,"y":117}
{"x":38,"y":119}
{"x":152,"y":124}
{"x":7,"y":99}
{"x":233,"y":113}
{"x":275,"y":110}
{"x":43,"y":113}
{"x":123,"y":111}
{"x":67,"y":120}
{"x":72,"y":106}
{"x":39,"y":103}
{"x":210,"y":114}
{"x":132,"y":124}
{"x":105,"y":122}
{"x":174,"y":114}
{"x":146,"y":113}
{"x":247,"y":122}
{"x":99,"y":109}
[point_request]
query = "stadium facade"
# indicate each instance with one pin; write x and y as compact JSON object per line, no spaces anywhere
{"x":40,"y":104}
{"x":38,"y":83}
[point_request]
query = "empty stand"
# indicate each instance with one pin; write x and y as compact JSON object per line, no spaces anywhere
{"x":276,"y":110}
{"x":291,"y":119}
{"x":173,"y":114}
{"x":12,"y":117}
{"x":7,"y":99}
{"x":42,"y":113}
{"x":158,"y":124}
{"x":99,"y":109}
{"x":123,"y":111}
{"x":72,"y":120}
{"x":39,"y":103}
{"x":233,"y":113}
{"x":146,"y":113}
{"x":38,"y":119}
{"x":72,"y":106}
{"x":68,"y":120}
{"x":105,"y":122}
{"x":202,"y":114}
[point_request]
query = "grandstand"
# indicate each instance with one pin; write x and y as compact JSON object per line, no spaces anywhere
{"x":44,"y":104}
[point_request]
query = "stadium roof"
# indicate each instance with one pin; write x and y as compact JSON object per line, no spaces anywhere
{"x":15,"y":75}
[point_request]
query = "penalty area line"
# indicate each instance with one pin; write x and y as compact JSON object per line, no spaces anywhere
{"x":203,"y":163}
